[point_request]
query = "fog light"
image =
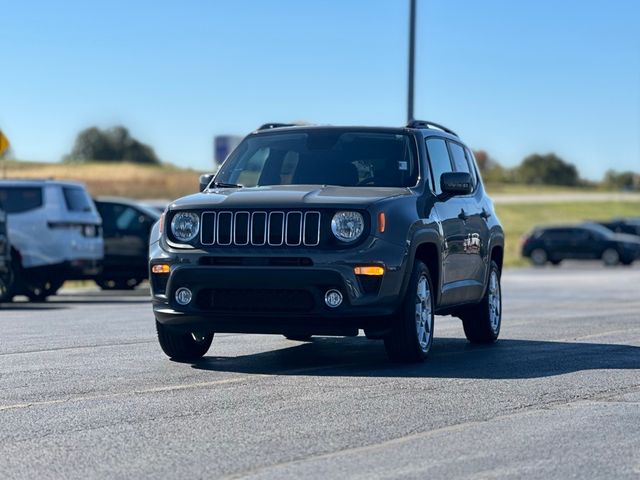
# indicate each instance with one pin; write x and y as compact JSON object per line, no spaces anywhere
{"x":333,"y":298}
{"x":183,"y":296}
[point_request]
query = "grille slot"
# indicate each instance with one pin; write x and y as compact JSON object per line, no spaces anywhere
{"x":276,"y":228}
{"x":255,"y":300}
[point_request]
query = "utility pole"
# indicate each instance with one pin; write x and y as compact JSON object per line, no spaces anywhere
{"x":412,"y":57}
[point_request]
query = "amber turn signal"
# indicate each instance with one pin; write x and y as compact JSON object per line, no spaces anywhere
{"x":372,"y":270}
{"x":381,"y":222}
{"x":161,"y":268}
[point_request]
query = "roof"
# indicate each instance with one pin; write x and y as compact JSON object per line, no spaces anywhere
{"x":38,"y":182}
{"x":426,"y":127}
{"x":131,"y":203}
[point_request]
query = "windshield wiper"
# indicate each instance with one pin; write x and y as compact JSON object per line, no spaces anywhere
{"x":226,"y":185}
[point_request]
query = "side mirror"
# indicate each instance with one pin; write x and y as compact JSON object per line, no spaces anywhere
{"x":456,"y":183}
{"x":205,"y":180}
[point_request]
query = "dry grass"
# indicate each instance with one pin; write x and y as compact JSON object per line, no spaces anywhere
{"x":121,"y":179}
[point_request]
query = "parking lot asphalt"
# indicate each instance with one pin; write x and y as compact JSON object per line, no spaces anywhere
{"x":85,"y":392}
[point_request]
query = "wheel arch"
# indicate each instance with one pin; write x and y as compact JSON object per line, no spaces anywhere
{"x":426,"y":248}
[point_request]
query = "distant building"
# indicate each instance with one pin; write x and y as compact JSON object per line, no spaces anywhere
{"x":223,"y":145}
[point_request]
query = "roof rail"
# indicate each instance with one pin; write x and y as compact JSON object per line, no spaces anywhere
{"x":428,"y":124}
{"x":269,"y":126}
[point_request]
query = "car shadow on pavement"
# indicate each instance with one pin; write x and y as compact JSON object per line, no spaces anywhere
{"x":29,"y":306}
{"x":449,"y":358}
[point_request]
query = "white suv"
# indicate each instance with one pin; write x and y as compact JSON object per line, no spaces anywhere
{"x":55,"y":234}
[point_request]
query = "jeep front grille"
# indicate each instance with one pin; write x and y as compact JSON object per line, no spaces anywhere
{"x":258,"y":228}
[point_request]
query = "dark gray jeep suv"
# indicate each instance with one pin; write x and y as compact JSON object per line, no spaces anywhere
{"x":327,"y":230}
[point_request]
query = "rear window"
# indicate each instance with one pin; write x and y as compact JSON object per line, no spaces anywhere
{"x":20,"y":199}
{"x":76,"y":199}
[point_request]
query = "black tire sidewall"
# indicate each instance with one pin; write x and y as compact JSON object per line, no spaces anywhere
{"x":402,"y":343}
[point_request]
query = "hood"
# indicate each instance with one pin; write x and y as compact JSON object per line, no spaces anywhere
{"x":626,"y":238}
{"x":288,"y":196}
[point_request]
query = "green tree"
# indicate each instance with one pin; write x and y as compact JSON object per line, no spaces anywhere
{"x":622,"y":180}
{"x":110,"y":145}
{"x":491,"y":170}
{"x":546,"y":169}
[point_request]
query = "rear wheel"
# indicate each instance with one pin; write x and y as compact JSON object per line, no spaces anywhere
{"x":119,"y":284}
{"x":611,"y":257}
{"x":539,"y":256}
{"x":39,"y":290}
{"x":411,"y":333}
{"x":183,"y":345}
{"x":482,"y":321}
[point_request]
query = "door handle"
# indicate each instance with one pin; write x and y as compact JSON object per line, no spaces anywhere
{"x":462,"y":215}
{"x":484,"y":214}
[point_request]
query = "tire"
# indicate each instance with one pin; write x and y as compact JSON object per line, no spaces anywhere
{"x":182,"y":346}
{"x":482,"y":321}
{"x":411,"y":333}
{"x":7,"y":284}
{"x":298,"y":338}
{"x":119,"y":284}
{"x":539,"y":256}
{"x":40,"y":290}
{"x":610,"y":257}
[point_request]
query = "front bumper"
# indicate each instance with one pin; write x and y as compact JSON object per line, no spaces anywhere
{"x":257,"y":299}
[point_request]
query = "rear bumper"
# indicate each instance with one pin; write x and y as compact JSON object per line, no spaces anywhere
{"x":80,"y":269}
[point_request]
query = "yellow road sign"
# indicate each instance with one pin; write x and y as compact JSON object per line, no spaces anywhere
{"x":4,"y":143}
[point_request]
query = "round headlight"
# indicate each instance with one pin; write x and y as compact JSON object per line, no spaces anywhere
{"x":347,"y":226}
{"x":185,"y":226}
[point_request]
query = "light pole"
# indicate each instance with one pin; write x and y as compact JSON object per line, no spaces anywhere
{"x":412,"y":57}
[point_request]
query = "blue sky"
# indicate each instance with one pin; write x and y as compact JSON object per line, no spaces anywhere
{"x":511,"y":77}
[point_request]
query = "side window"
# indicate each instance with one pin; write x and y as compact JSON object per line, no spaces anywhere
{"x":472,"y":166}
{"x":20,"y":199}
{"x":459,"y":158}
{"x":439,"y":159}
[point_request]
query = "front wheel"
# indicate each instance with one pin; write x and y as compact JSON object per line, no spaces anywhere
{"x":411,"y":333}
{"x":482,"y":321}
{"x":611,"y":257}
{"x":183,"y":346}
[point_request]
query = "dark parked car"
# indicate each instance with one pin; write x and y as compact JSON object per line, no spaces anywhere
{"x":126,"y":226}
{"x":629,"y":226}
{"x":580,"y":242}
{"x":328,"y":230}
{"x":6,"y":267}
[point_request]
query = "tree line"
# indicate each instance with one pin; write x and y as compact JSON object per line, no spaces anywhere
{"x":117,"y":145}
{"x":550,"y":169}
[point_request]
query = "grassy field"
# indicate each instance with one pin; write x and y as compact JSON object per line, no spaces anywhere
{"x":122,"y":179}
{"x":519,"y":219}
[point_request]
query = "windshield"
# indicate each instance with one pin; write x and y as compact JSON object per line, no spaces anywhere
{"x":344,"y":157}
